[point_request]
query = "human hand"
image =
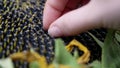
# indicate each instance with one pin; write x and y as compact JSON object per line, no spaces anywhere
{"x":95,"y":14}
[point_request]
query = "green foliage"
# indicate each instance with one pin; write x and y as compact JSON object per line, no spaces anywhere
{"x":76,"y":54}
{"x":34,"y":64}
{"x":98,"y":41}
{"x":117,"y":36}
{"x":110,"y":50}
{"x":95,"y":64}
{"x":62,"y":56}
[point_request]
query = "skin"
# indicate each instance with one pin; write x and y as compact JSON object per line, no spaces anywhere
{"x":71,"y":17}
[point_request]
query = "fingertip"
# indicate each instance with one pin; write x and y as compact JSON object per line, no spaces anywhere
{"x":54,"y":31}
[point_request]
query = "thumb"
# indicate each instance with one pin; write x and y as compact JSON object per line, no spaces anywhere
{"x":76,"y":21}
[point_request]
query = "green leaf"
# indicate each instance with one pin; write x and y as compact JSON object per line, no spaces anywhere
{"x":117,"y":36}
{"x":95,"y":64}
{"x":6,"y":63}
{"x":34,"y":64}
{"x":111,"y":51}
{"x":98,"y":41}
{"x":62,"y":56}
{"x":76,"y":54}
{"x":0,"y":66}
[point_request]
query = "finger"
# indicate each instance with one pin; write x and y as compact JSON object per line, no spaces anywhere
{"x":52,"y":11}
{"x":55,"y":8}
{"x":76,"y":21}
{"x":72,"y":4}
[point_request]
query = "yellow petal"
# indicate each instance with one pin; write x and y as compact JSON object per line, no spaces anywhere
{"x":85,"y":57}
{"x":59,"y":66}
{"x":30,"y":57}
{"x":18,"y":56}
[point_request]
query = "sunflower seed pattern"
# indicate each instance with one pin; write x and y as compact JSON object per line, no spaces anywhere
{"x":21,"y":25}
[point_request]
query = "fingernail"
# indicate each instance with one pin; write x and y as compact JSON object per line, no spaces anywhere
{"x":54,"y":31}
